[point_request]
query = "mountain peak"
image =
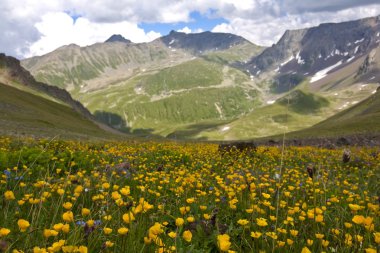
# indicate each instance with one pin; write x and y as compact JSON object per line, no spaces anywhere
{"x":118,"y":38}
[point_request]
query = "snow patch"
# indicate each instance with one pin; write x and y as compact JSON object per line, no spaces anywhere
{"x":349,"y":44}
{"x":336,"y":94}
{"x":270,"y":102}
{"x":378,"y":34}
{"x":373,"y":92}
{"x":345,"y":53}
{"x":350,"y":59}
{"x":226,"y":128}
{"x":359,"y":41}
{"x":356,"y":49}
{"x":372,"y":78}
{"x":299,"y":59}
{"x":322,"y":73}
{"x":258,"y":72}
{"x":354,"y":102}
{"x":172,"y":41}
{"x":288,"y":60}
{"x":173,"y":50}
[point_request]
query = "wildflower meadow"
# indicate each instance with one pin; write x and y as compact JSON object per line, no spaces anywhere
{"x":134,"y":196}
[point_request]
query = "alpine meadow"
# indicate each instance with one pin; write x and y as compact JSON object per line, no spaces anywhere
{"x":190,"y":126}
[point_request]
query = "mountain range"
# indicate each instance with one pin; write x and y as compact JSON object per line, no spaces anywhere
{"x":218,"y":86}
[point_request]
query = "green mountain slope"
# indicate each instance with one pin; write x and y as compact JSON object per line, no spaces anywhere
{"x":23,"y":113}
{"x":362,"y":118}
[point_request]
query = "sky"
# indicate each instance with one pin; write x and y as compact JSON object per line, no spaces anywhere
{"x":36,"y":27}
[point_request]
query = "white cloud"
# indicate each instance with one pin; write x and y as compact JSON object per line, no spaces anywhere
{"x":268,"y":30}
{"x":59,"y":29}
{"x":32,"y":27}
{"x":188,"y":30}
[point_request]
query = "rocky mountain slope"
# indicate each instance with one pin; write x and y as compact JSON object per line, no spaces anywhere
{"x":220,"y":86}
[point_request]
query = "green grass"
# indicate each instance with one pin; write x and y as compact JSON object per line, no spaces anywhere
{"x":29,"y":114}
{"x":195,"y":73}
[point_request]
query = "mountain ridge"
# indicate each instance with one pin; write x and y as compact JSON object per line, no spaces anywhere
{"x":215,"y":85}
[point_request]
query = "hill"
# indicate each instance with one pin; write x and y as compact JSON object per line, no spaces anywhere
{"x":28,"y":107}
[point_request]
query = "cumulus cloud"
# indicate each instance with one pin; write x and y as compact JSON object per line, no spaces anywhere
{"x":59,"y":28}
{"x":268,"y":30}
{"x":188,"y":30}
{"x":33,"y":27}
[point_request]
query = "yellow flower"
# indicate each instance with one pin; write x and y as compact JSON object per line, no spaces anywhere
{"x":125,"y":191}
{"x":293,"y":232}
{"x":68,"y":216}
{"x":122,"y":231}
{"x":106,"y":185}
{"x":4,"y":232}
{"x":172,"y":235}
{"x":347,"y":224}
{"x":203,"y":208}
{"x":289,"y":241}
{"x":190,"y":219}
{"x":90,"y":223}
{"x":377,"y":237}
{"x":9,"y":195}
{"x":224,"y":243}
{"x":305,"y":250}
{"x":58,"y":226}
{"x":179,"y":222}
{"x":266,"y":195}
{"x":187,"y":235}
{"x":370,"y":250}
{"x":256,"y":234}
{"x":261,"y":222}
{"x":39,"y":250}
{"x":358,"y":219}
{"x":82,"y":249}
{"x":243,"y":222}
{"x":354,"y":207}
{"x":50,"y":232}
{"x":190,"y":200}
{"x":107,"y":231}
{"x":325,"y":243}
{"x":66,"y":228}
{"x":23,"y":225}
{"x":128,"y":217}
{"x":309,"y":242}
{"x":272,"y":235}
{"x":85,"y":211}
{"x":67,"y":205}
{"x":109,"y":244}
{"x":319,"y":218}
{"x":60,"y":191}
{"x":319,"y":236}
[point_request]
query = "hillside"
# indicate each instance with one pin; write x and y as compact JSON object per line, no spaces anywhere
{"x":23,"y":113}
{"x":360,"y":119}
{"x":28,"y":107}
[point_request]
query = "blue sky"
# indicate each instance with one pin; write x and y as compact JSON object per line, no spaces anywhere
{"x":37,"y":27}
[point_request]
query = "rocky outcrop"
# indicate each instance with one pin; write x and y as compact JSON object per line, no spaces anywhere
{"x":308,"y":51}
